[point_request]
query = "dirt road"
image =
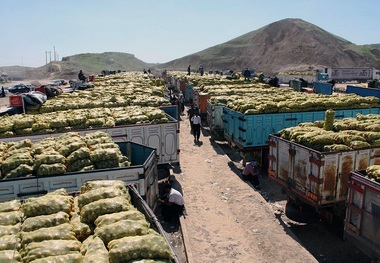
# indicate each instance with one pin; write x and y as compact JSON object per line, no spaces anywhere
{"x":229,"y":221}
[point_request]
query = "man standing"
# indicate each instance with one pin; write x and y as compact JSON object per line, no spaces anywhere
{"x":196,"y":126}
{"x":190,"y":114}
{"x":81,"y":76}
{"x":188,"y":70}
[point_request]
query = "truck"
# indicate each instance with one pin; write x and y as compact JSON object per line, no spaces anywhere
{"x":315,"y":182}
{"x":363,"y":91}
{"x":215,"y":119}
{"x":250,"y":133}
{"x":142,"y":173}
{"x":359,"y":74}
{"x":161,"y":136}
{"x":362,"y":221}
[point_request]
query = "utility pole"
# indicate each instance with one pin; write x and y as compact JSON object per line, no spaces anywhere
{"x":54,"y":53}
{"x":50,"y":56}
{"x":46,"y":57}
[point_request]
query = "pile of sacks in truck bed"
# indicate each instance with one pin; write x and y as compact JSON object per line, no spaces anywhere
{"x":101,"y":224}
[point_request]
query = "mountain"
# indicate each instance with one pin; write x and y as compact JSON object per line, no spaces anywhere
{"x":68,"y":68}
{"x":285,"y":45}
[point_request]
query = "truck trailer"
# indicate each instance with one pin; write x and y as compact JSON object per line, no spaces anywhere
{"x":315,"y":182}
{"x":362,"y":221}
{"x":359,"y":74}
{"x":142,"y":173}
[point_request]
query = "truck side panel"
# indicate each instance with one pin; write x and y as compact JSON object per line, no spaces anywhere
{"x":362,"y":222}
{"x":318,"y":178}
{"x":247,"y":131}
{"x":363,"y":91}
{"x":162,"y":136}
{"x":215,"y":117}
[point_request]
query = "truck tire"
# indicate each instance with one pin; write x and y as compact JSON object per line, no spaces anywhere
{"x":307,"y":215}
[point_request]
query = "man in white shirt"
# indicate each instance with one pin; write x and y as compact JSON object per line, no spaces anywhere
{"x":196,"y":119}
{"x":173,"y":205}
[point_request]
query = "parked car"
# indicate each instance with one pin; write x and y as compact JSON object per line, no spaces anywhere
{"x":20,"y":88}
{"x":58,"y":82}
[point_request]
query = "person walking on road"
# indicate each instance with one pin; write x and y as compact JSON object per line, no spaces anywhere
{"x":196,"y":126}
{"x":190,"y":114}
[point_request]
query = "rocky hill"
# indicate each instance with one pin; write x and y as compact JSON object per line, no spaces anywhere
{"x":283,"y":46}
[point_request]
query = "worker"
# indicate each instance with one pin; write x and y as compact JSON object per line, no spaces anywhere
{"x":172,"y":202}
{"x":188,"y":70}
{"x":2,"y":92}
{"x":201,"y":70}
{"x":247,"y":74}
{"x":251,"y":173}
{"x":190,"y":114}
{"x":175,"y":184}
{"x":196,"y":119}
{"x":81,"y":76}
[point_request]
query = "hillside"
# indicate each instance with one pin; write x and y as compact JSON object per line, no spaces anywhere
{"x":68,"y":68}
{"x":283,"y":46}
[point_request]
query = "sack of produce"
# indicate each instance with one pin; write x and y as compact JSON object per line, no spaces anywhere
{"x":49,"y":157}
{"x":122,"y":228}
{"x":51,"y":169}
{"x":101,"y":193}
{"x":15,"y":161}
{"x":81,"y":230}
{"x":37,"y":250}
{"x":9,"y":230}
{"x":373,"y":172}
{"x":59,"y":232}
{"x":91,"y":211}
{"x":108,"y":219}
{"x":10,"y":218}
{"x":148,"y":247}
{"x":79,"y":154}
{"x":47,"y":204}
{"x":91,"y":185}
{"x":23,"y":170}
{"x":329,"y":120}
{"x":10,"y":256}
{"x":105,"y":154}
{"x":10,"y":242}
{"x":44,"y":221}
{"x":69,"y":258}
{"x":96,"y":251}
{"x":8,"y":206}
{"x":80,"y":165}
{"x":69,"y":147}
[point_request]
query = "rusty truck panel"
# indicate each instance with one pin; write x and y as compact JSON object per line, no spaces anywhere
{"x":318,"y":178}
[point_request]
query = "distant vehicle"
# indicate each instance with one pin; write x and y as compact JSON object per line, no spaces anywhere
{"x":20,"y":88}
{"x":58,"y":82}
{"x":340,"y":75}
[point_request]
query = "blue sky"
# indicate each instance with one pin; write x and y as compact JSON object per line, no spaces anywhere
{"x":158,"y":31}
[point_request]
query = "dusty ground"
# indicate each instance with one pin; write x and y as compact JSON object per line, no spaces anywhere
{"x":229,"y":221}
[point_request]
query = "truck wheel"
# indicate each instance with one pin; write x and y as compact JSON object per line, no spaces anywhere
{"x":307,"y":215}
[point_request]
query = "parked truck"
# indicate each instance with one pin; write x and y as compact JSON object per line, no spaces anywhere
{"x":362,"y":221}
{"x":161,"y":136}
{"x":315,"y":182}
{"x":142,"y":173}
{"x":249,"y":133}
{"x":359,"y":74}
